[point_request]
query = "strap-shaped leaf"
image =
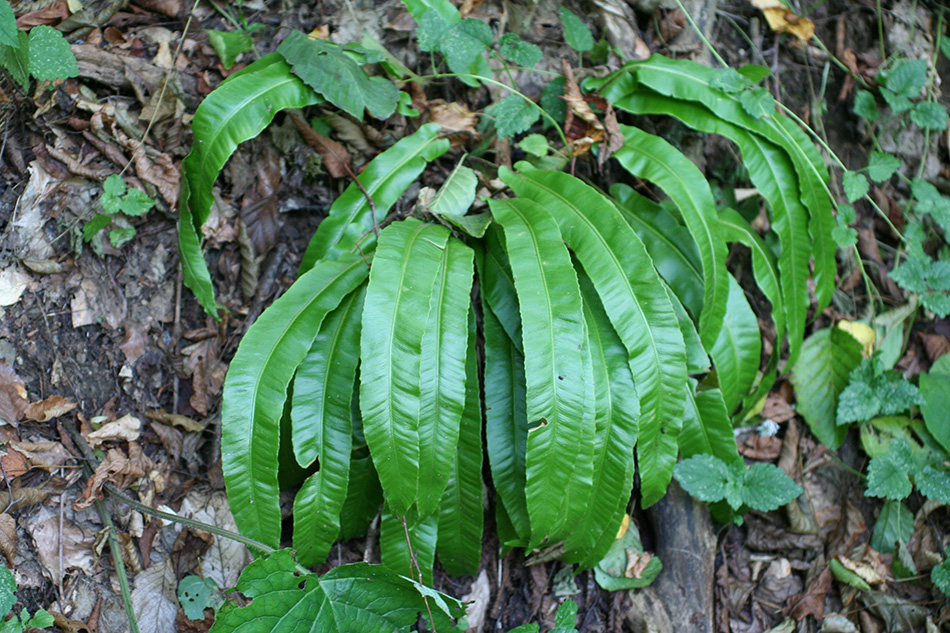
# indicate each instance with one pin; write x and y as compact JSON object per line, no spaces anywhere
{"x":402,"y":556}
{"x":455,"y":197}
{"x":322,"y":419}
{"x":506,"y":422}
{"x":498,"y":285}
{"x":461,"y":517}
{"x":772,"y":171}
{"x":238,"y":110}
{"x":737,"y":351}
{"x":616,"y":420}
{"x":558,"y":399}
{"x":443,"y":379}
{"x":364,"y":496}
{"x":706,"y":426}
{"x":256,"y":387}
{"x":688,"y":81}
{"x":395,"y":314}
{"x":633,"y":295}
{"x":385,"y":179}
{"x":650,"y":157}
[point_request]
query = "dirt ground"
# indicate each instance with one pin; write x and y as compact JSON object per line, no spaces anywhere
{"x":94,"y":336}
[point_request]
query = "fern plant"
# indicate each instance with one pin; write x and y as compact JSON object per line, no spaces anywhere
{"x":574,"y":328}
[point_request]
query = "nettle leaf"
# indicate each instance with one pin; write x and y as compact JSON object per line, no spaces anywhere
{"x":432,"y":29}
{"x":882,"y":166}
{"x":514,"y":49}
{"x":332,"y":72}
{"x":929,"y":279}
{"x":356,"y":597}
{"x":16,"y":59}
{"x":705,"y":477}
{"x":464,"y":43}
{"x":940,"y":574}
{"x":865,"y":106}
{"x":934,"y":484}
{"x":513,"y":115}
{"x":762,"y":487}
{"x":932,"y":202}
{"x":8,"y":28}
{"x":766,"y":487}
{"x":929,"y":115}
{"x":897,"y":103}
{"x":50,"y":55}
{"x":888,"y":474}
{"x":855,"y":185}
{"x":136,"y":202}
{"x":873,"y":392}
{"x":907,"y":78}
{"x":113,"y":186}
{"x":576,"y":33}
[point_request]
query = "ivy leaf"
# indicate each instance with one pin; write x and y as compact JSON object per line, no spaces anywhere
{"x":50,"y":55}
{"x":8,"y":28}
{"x":855,"y":185}
{"x":907,"y":78}
{"x":929,"y":279}
{"x":331,"y":71}
{"x":576,"y":33}
{"x":766,"y":487}
{"x":882,"y":166}
{"x":934,"y":484}
{"x":929,"y":115}
{"x":357,"y":597}
{"x":865,"y":106}
{"x":514,"y":49}
{"x":757,"y":102}
{"x":888,"y":474}
{"x":940,"y":575}
{"x":513,"y":115}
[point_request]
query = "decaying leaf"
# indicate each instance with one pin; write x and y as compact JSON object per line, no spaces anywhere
{"x":581,"y":126}
{"x":8,"y":537}
{"x":453,"y":116}
{"x":118,"y":469}
{"x":812,"y":601}
{"x":46,"y":410}
{"x":154,"y":598}
{"x":62,"y":545}
{"x":783,"y":20}
{"x":135,"y":341}
{"x":127,"y":428}
{"x":13,"y":283}
{"x":47,"y":456}
{"x":14,"y":464}
{"x":225,"y":558}
{"x":335,"y":157}
{"x":13,"y":400}
{"x":182,"y":422}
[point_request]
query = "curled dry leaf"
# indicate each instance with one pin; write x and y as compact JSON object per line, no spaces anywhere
{"x":46,"y":410}
{"x":581,"y":126}
{"x":182,"y":422}
{"x":761,"y":447}
{"x":127,"y":428}
{"x":453,"y":116}
{"x":154,"y":598}
{"x":13,"y":283}
{"x":48,"y":456}
{"x":8,"y":537}
{"x":812,"y":601}
{"x":59,"y":555}
{"x":118,"y":469}
{"x":777,"y":409}
{"x":335,"y":157}
{"x":782,"y":20}
{"x":133,"y":345}
{"x":12,"y":396}
{"x":13,"y":464}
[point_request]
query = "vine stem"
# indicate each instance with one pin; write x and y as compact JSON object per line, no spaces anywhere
{"x":415,"y":563}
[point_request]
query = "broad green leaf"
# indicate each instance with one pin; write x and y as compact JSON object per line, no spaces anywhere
{"x":460,"y":512}
{"x":907,"y":77}
{"x":463,"y":44}
{"x":872,"y":392}
{"x":929,"y":115}
{"x":91,"y":228}
{"x":229,"y":45}
{"x":395,"y":314}
{"x":758,"y":102}
{"x":506,"y":422}
{"x":330,"y":70}
{"x":705,"y":477}
{"x":321,"y":417}
{"x":8,"y":37}
{"x":934,"y":484}
{"x":513,"y":115}
{"x":256,"y":387}
{"x":355,"y":597}
{"x":635,"y":300}
{"x":443,"y":8}
{"x":895,"y":524}
{"x":8,"y":587}
{"x":855,"y":185}
{"x":935,"y":389}
{"x":688,"y":81}
{"x":443,"y":374}
{"x":940,"y":574}
{"x":706,"y":426}
{"x":738,"y":348}
{"x":498,"y":285}
{"x":238,"y":110}
{"x":50,"y":55}
{"x":401,"y":557}
{"x":616,"y":419}
{"x":819,"y":377}
{"x":766,"y":487}
{"x":364,"y":496}
{"x":576,"y":33}
{"x":535,"y":144}
{"x":650,"y":157}
{"x":196,"y":593}
{"x":882,"y":166}
{"x":456,"y":194}
{"x":385,"y":179}
{"x":514,"y":49}
{"x":773,"y":173}
{"x":865,"y":107}
{"x":136,"y":202}
{"x":559,"y":403}
{"x":16,"y":58}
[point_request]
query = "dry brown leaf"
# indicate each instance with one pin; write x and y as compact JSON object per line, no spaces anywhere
{"x":59,"y":555}
{"x":51,"y":14}
{"x":352,"y":133}
{"x":761,"y":447}
{"x":182,"y":422}
{"x":13,"y":400}
{"x":127,"y":428}
{"x":48,"y":456}
{"x":335,"y":157}
{"x":777,"y":409}
{"x":812,"y":601}
{"x":13,"y":465}
{"x":135,"y":341}
{"x":172,"y":439}
{"x":582,"y":128}
{"x":870,"y":568}
{"x":225,"y":559}
{"x":936,"y":345}
{"x":8,"y":537}
{"x":46,"y":410}
{"x":13,"y":283}
{"x":453,"y":116}
{"x":68,"y":625}
{"x":154,"y":598}
{"x":118,"y":469}
{"x":636,"y":563}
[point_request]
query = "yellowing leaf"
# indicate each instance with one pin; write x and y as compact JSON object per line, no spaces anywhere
{"x":862,"y":332}
{"x":624,"y":526}
{"x":782,"y":20}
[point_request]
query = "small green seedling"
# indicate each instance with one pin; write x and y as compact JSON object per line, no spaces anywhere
{"x":43,"y":53}
{"x":10,"y":623}
{"x":118,"y":204}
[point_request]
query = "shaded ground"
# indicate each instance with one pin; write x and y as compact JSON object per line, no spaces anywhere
{"x":111,"y":331}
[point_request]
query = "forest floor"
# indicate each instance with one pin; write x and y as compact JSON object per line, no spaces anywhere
{"x":94,"y":336}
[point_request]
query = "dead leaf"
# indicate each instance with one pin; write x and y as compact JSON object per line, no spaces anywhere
{"x":782,"y":20}
{"x":171,"y":8}
{"x":335,"y":157}
{"x":182,"y":422}
{"x":351,"y":133}
{"x":14,"y":465}
{"x":46,"y":410}
{"x":68,"y":625}
{"x":8,"y":537}
{"x":761,"y":447}
{"x":225,"y":559}
{"x":453,"y":116}
{"x":50,"y":15}
{"x":13,"y":400}
{"x":870,"y":568}
{"x":61,"y":554}
{"x":48,"y":456}
{"x":936,"y":345}
{"x":812,"y":601}
{"x":636,"y":563}
{"x":154,"y":598}
{"x":127,"y":428}
{"x":13,"y":283}
{"x":118,"y":469}
{"x":133,"y":345}
{"x":172,"y":439}
{"x":581,"y":126}
{"x":777,"y":409}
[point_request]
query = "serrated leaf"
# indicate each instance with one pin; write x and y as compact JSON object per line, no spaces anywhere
{"x":934,"y":484}
{"x":329,"y":70}
{"x":16,"y":59}
{"x":929,"y":115}
{"x":907,"y":77}
{"x":705,"y":477}
{"x":535,"y":144}
{"x":385,"y":179}
{"x":855,"y":185}
{"x":229,"y":45}
{"x":871,"y":393}
{"x":560,"y":403}
{"x":93,"y":226}
{"x":935,"y":391}
{"x":894,"y":524}
{"x":865,"y":106}
{"x":464,"y":43}
{"x":355,"y":597}
{"x":940,"y":574}
{"x":766,"y":487}
{"x":514,"y":49}
{"x":113,"y":186}
{"x":888,"y":474}
{"x":256,"y":387}
{"x":405,"y":267}
{"x":50,"y":55}
{"x":882,"y":166}
{"x":576,"y":33}
{"x":322,"y":428}
{"x":820,"y":375}
{"x":931,"y":202}
{"x":136,"y":202}
{"x":8,"y":37}
{"x":929,"y":279}
{"x":513,"y":115}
